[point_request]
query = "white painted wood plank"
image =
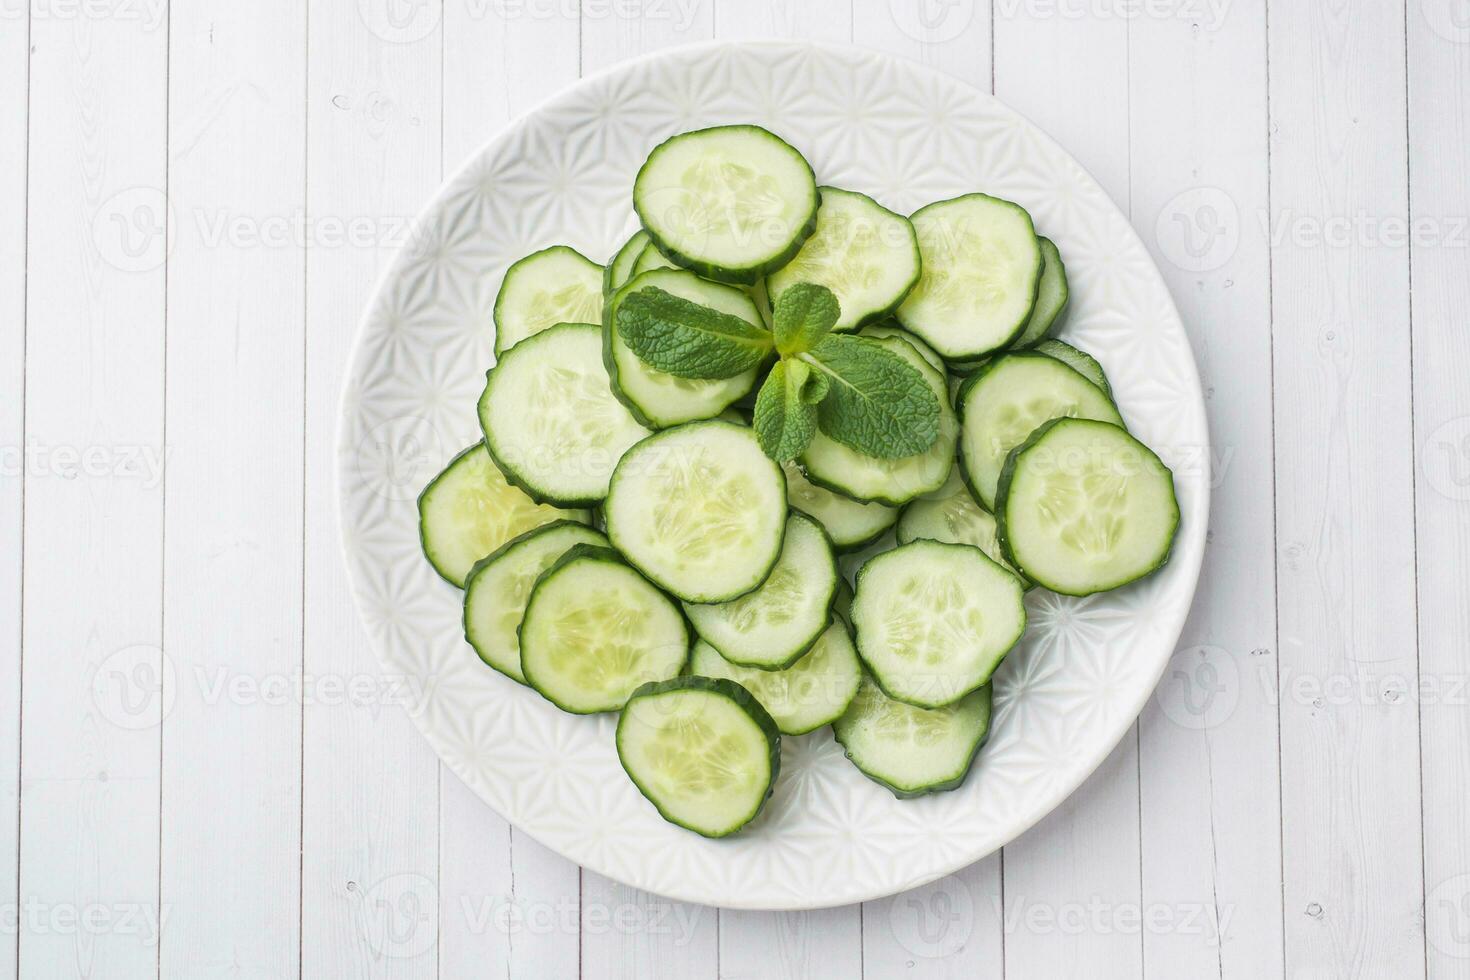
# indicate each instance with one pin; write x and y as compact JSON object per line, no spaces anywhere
{"x":612,"y":33}
{"x":1439,"y":196}
{"x":1208,"y":741}
{"x":370,"y":803}
{"x":92,"y":698}
{"x":14,"y":76}
{"x":805,"y":20}
{"x":509,"y":906}
{"x":1068,"y":74}
{"x":1344,"y":493}
{"x":232,"y":521}
{"x":953,"y":927}
{"x":791,"y":945}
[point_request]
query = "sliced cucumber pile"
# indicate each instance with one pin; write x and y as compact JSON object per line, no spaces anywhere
{"x":498,"y":587}
{"x":1080,"y":361}
{"x":660,"y":400}
{"x":844,"y":470}
{"x":982,"y":264}
{"x":700,"y":510}
{"x":913,"y":751}
{"x":934,"y":620}
{"x":830,"y":445}
{"x":864,"y":253}
{"x":849,"y":523}
{"x":804,"y":696}
{"x":595,"y":630}
{"x":702,"y":750}
{"x":1004,"y":402}
{"x":550,"y":419}
{"x":772,"y":627}
{"x":1051,"y":296}
{"x":619,"y":268}
{"x":1084,"y":507}
{"x":470,"y":509}
{"x":555,"y":285}
{"x":952,"y":516}
{"x":732,"y":202}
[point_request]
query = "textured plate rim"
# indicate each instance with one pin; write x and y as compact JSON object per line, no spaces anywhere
{"x":1191,"y":541}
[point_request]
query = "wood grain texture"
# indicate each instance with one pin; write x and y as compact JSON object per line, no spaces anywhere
{"x":14,"y":78}
{"x":236,"y":330}
{"x":370,"y":804}
{"x":1087,"y":851}
{"x":1344,"y":493}
{"x":93,"y":696}
{"x":1210,"y":807}
{"x":1439,"y":253}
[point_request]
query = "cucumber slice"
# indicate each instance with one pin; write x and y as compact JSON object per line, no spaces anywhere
{"x":620,"y":267}
{"x":649,"y":259}
{"x":863,"y":252}
{"x":550,"y":419}
{"x":732,"y":202}
{"x":1084,"y":507}
{"x":981,"y":266}
{"x":702,"y":751}
{"x":842,"y":604}
{"x":890,"y":328}
{"x":555,"y":285}
{"x":1051,"y":296}
{"x":1078,"y":360}
{"x":952,"y":517}
{"x":849,"y":523}
{"x":1004,"y":402}
{"x":805,"y":696}
{"x":934,"y":620}
{"x":595,"y":630}
{"x":913,"y":751}
{"x":700,"y":510}
{"x":469,"y":510}
{"x":498,"y":587}
{"x":659,"y":400}
{"x":772,"y":627}
{"x":836,"y":467}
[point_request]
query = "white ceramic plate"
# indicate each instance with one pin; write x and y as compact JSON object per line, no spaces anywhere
{"x":907,"y":135}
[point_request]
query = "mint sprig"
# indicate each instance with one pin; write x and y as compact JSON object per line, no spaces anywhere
{"x":853,"y":390}
{"x":803,"y":316}
{"x":687,"y":340}
{"x":877,"y":403}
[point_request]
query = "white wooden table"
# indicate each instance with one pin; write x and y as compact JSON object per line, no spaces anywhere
{"x":210,"y":777}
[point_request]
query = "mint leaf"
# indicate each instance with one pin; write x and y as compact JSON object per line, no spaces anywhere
{"x":877,"y":403}
{"x":785,"y":421}
{"x":688,"y":340}
{"x":804,"y":314}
